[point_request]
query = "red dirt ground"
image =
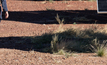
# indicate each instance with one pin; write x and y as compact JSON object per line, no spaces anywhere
{"x":31,"y":18}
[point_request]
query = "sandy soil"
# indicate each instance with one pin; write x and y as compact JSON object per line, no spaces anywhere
{"x":34,"y":18}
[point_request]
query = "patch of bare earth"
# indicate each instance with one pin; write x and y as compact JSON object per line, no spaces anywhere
{"x":18,"y":26}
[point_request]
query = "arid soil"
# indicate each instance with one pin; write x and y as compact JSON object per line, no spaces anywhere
{"x":34,"y":18}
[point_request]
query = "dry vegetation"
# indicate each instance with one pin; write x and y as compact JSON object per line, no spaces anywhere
{"x":34,"y":43}
{"x":63,"y":41}
{"x":74,"y":40}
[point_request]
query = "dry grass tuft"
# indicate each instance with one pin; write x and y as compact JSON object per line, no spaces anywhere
{"x":58,"y":19}
{"x":99,"y":48}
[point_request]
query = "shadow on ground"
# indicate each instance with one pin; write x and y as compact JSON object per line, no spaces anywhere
{"x":43,"y":43}
{"x":48,"y":0}
{"x":23,"y":43}
{"x":53,"y":0}
{"x":48,"y":17}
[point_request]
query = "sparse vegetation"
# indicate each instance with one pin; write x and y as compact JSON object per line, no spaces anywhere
{"x":54,"y":43}
{"x":74,"y":23}
{"x":50,"y":1}
{"x":91,"y":0}
{"x":61,"y":52}
{"x":99,"y":48}
{"x":65,"y":53}
{"x":25,"y":37}
{"x":50,"y":9}
{"x":73,"y":40}
{"x":58,"y":19}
